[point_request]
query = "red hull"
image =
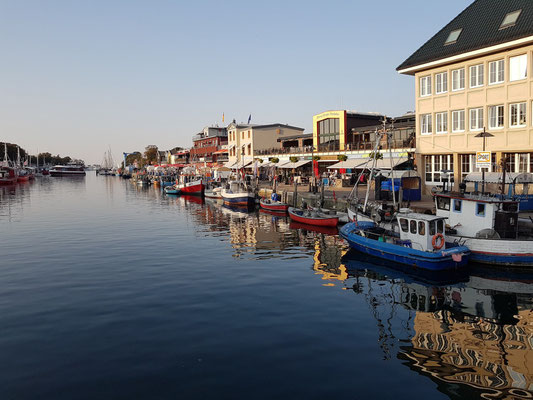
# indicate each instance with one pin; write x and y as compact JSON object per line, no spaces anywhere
{"x":23,"y":178}
{"x":197,"y":190}
{"x":316,"y":221}
{"x":8,"y":181}
{"x":274,"y":207}
{"x":326,"y":230}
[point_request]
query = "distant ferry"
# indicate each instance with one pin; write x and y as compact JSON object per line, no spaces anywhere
{"x":67,"y":170}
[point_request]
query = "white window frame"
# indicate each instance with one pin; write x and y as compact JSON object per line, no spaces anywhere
{"x":445,"y":163}
{"x":425,"y":86}
{"x":458,"y":79}
{"x":517,"y":64}
{"x":441,"y":122}
{"x":456,"y":113}
{"x":521,"y":110}
{"x":480,"y":124}
{"x":499,"y":70}
{"x":441,"y":79}
{"x":479,"y":77}
{"x":424,"y":124}
{"x":490,"y":109}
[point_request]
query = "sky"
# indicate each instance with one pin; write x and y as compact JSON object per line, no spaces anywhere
{"x":80,"y":77}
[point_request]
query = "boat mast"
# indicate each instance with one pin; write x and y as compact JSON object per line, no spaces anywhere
{"x":389,"y":137}
{"x":374,"y":161}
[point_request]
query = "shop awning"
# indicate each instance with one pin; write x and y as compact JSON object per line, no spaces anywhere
{"x":297,"y":164}
{"x":497,"y":177}
{"x":220,"y":151}
{"x":397,"y":174}
{"x":230,"y":164}
{"x":384,"y":163}
{"x":348,"y":164}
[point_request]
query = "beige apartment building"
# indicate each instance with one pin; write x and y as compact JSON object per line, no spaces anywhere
{"x":244,"y":140}
{"x":475,"y":74}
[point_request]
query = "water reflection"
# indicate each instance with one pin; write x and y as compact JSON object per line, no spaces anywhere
{"x":476,"y":332}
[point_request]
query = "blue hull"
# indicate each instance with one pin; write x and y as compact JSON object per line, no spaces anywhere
{"x":438,"y":261}
{"x":243,"y":201}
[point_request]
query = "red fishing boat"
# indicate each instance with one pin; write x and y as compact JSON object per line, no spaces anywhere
{"x":23,"y":176}
{"x":191,"y":185}
{"x":8,"y":176}
{"x":312,"y":217}
{"x":268,"y":204}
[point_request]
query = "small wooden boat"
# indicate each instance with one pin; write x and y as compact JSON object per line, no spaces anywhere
{"x":268,"y":204}
{"x":172,"y":190}
{"x":279,"y":214}
{"x":420,"y":243}
{"x":312,"y":217}
{"x":343,"y":217}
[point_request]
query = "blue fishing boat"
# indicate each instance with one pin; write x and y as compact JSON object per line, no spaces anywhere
{"x":420,"y":242}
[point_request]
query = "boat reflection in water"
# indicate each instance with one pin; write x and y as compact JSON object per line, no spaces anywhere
{"x":473,"y":336}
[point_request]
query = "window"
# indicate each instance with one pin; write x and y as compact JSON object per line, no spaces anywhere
{"x":443,"y":203}
{"x":440,"y":226}
{"x":518,"y":68}
{"x":425,"y":86}
{"x":242,"y":134}
{"x":435,"y":164}
{"x":457,"y":205}
{"x":453,"y":36}
{"x":496,"y":72}
{"x":404,"y":224}
{"x":421,"y":228}
{"x":458,"y":121}
{"x":441,"y":83}
{"x":329,"y":134}
{"x":412,"y":226}
{"x":476,"y":119}
{"x":432,"y":228}
{"x":248,"y":134}
{"x":496,"y":117}
{"x":426,"y":124}
{"x":510,"y":19}
{"x":441,"y":122}
{"x":476,"y":75}
{"x":518,"y":115}
{"x":519,"y":162}
{"x":458,"y":79}
{"x":480,"y":209}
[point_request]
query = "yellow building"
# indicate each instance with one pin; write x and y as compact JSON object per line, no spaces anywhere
{"x":475,"y":74}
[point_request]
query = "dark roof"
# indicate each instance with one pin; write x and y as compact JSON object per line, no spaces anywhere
{"x":292,"y":137}
{"x":480,"y":23}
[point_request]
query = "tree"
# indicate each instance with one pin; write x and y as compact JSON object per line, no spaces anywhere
{"x":150,"y":154}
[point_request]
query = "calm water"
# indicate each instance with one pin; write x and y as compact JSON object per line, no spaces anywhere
{"x":111,"y":291}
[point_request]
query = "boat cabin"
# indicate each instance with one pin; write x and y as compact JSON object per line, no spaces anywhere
{"x":478,"y":215}
{"x":236,"y":187}
{"x":424,"y":232}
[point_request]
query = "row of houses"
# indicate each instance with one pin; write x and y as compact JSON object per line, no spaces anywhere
{"x":473,"y":76}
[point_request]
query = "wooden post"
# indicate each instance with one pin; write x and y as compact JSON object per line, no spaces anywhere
{"x":295,"y":196}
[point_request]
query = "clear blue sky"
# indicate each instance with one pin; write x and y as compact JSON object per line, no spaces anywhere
{"x":80,"y":76}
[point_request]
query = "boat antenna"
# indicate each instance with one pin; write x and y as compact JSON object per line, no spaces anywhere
{"x":374,"y":155}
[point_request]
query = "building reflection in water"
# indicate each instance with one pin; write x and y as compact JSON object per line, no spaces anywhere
{"x":473,"y":337}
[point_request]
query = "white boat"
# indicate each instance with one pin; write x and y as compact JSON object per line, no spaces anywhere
{"x":488,"y":226}
{"x":213,"y":193}
{"x":67,"y":170}
{"x":238,"y":193}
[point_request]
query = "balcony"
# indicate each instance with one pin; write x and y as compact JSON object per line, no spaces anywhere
{"x":285,"y":150}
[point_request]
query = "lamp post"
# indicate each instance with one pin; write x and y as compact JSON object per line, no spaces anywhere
{"x":483,"y":135}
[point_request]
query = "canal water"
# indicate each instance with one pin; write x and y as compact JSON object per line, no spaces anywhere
{"x":108,"y":290}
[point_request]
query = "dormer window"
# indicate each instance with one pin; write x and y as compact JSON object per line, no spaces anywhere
{"x":453,"y":36}
{"x":510,"y":19}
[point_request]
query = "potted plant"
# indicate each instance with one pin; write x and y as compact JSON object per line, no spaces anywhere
{"x":342,"y":157}
{"x":293,"y":159}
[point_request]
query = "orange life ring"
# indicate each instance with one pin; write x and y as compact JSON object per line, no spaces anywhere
{"x":441,"y":241}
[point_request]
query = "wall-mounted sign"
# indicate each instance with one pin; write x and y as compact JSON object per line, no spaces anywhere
{"x":483,"y":159}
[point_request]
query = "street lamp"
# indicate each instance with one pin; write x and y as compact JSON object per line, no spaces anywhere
{"x":483,"y":135}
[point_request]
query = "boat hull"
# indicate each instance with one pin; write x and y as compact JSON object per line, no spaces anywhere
{"x":65,"y":173}
{"x":193,"y":188}
{"x":310,"y":220}
{"x":432,"y":261}
{"x":509,"y":253}
{"x":25,"y":178}
{"x":236,"y":199}
{"x":276,"y":206}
